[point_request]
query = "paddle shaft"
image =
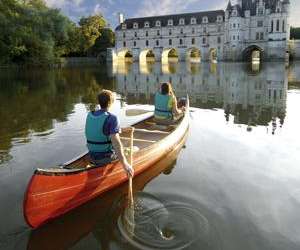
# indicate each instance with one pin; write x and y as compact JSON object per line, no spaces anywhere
{"x":130,"y":194}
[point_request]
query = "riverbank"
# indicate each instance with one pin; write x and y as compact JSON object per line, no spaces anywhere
{"x":61,"y":63}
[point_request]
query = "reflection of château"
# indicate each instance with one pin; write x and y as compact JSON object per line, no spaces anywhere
{"x":252,"y":97}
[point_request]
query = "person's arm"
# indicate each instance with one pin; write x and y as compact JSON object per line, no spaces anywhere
{"x":118,"y":147}
{"x":175,"y":110}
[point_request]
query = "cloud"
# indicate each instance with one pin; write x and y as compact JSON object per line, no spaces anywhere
{"x":152,"y":8}
{"x":295,"y":13}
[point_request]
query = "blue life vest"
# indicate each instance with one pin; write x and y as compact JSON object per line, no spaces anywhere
{"x":163,"y":106}
{"x":97,"y":141}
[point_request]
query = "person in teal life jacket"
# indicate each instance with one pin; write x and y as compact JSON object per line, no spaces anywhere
{"x":166,"y":110}
{"x":102,"y":130}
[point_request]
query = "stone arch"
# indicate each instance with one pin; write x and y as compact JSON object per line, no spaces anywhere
{"x":213,"y":55}
{"x":169,"y":55}
{"x":253,"y":54}
{"x":125,"y":55}
{"x":147,"y":55}
{"x":193,"y":55}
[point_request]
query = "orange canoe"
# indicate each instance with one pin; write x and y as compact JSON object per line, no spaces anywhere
{"x":53,"y":192}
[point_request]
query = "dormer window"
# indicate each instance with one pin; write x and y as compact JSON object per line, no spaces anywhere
{"x":260,"y":11}
{"x":234,"y":13}
{"x":205,"y":19}
{"x":135,"y":25}
{"x":181,"y":21}
{"x":170,"y":22}
{"x":219,"y":19}
{"x":278,"y":10}
{"x":124,"y":26}
{"x":146,"y":24}
{"x":157,"y":23}
{"x":193,"y":20}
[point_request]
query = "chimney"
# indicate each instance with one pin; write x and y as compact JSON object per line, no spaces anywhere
{"x":121,"y":18}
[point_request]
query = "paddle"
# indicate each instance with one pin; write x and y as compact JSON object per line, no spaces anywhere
{"x":130,"y":214}
{"x":130,"y":195}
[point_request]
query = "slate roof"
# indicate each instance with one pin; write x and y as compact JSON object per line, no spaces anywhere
{"x":212,"y":17}
{"x":251,"y":5}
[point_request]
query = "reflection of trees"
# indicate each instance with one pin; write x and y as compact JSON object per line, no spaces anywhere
{"x":30,"y":101}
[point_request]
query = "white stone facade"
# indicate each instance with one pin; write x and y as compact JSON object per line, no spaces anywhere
{"x":231,"y":35}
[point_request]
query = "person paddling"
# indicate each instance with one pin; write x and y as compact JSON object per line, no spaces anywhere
{"x":166,"y":110}
{"x":102,"y":130}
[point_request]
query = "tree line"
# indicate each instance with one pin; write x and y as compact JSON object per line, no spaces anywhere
{"x":32,"y":33}
{"x":295,"y":33}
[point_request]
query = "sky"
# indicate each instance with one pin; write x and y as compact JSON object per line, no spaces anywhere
{"x":139,"y":8}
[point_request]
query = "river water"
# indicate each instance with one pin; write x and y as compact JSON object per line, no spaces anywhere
{"x":240,"y":169}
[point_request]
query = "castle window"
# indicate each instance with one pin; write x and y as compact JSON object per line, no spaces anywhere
{"x":260,"y":11}
{"x":272,"y":26}
{"x":181,"y":21}
{"x":193,"y":20}
{"x":180,"y":41}
{"x":135,"y":34}
{"x":170,"y":32}
{"x":134,"y":43}
{"x":124,"y":44}
{"x":146,"y":24}
{"x":147,"y":43}
{"x":234,"y":13}
{"x":204,"y":40}
{"x":219,"y":39}
{"x":124,"y":34}
{"x":205,"y":19}
{"x":157,"y":23}
{"x":135,"y":25}
{"x":170,"y":22}
{"x":233,"y":38}
{"x":147,"y":33}
{"x":238,"y":37}
{"x":124,"y":26}
{"x":204,"y":29}
{"x":219,"y":28}
{"x":261,"y":36}
{"x":181,"y":31}
{"x":260,"y":23}
{"x":193,"y":40}
{"x":158,"y":32}
{"x":257,"y":36}
{"x":234,"y":25}
{"x":283,"y":26}
{"x":277,"y":10}
{"x":219,"y":19}
{"x":170,"y":41}
{"x":193,"y":30}
{"x":277,"y":25}
{"x":157,"y":43}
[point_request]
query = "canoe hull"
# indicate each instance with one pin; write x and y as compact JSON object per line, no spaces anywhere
{"x":50,"y":195}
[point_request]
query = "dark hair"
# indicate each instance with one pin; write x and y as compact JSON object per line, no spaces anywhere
{"x":165,"y":88}
{"x":105,"y":99}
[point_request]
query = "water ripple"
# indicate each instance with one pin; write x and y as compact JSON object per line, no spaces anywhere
{"x":155,"y":225}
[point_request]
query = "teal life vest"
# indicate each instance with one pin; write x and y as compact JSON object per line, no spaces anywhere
{"x":163,"y":106}
{"x":97,"y":141}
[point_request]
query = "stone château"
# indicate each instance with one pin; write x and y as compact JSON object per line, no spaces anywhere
{"x":244,"y":29}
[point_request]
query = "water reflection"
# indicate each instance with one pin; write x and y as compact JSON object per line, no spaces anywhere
{"x":252,"y":94}
{"x":32,"y":101}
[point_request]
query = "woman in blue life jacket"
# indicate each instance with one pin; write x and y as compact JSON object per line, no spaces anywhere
{"x":166,"y":110}
{"x":102,"y":134}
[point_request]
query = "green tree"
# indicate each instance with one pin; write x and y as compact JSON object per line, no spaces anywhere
{"x":104,"y":41}
{"x":295,"y":33}
{"x":91,"y":28}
